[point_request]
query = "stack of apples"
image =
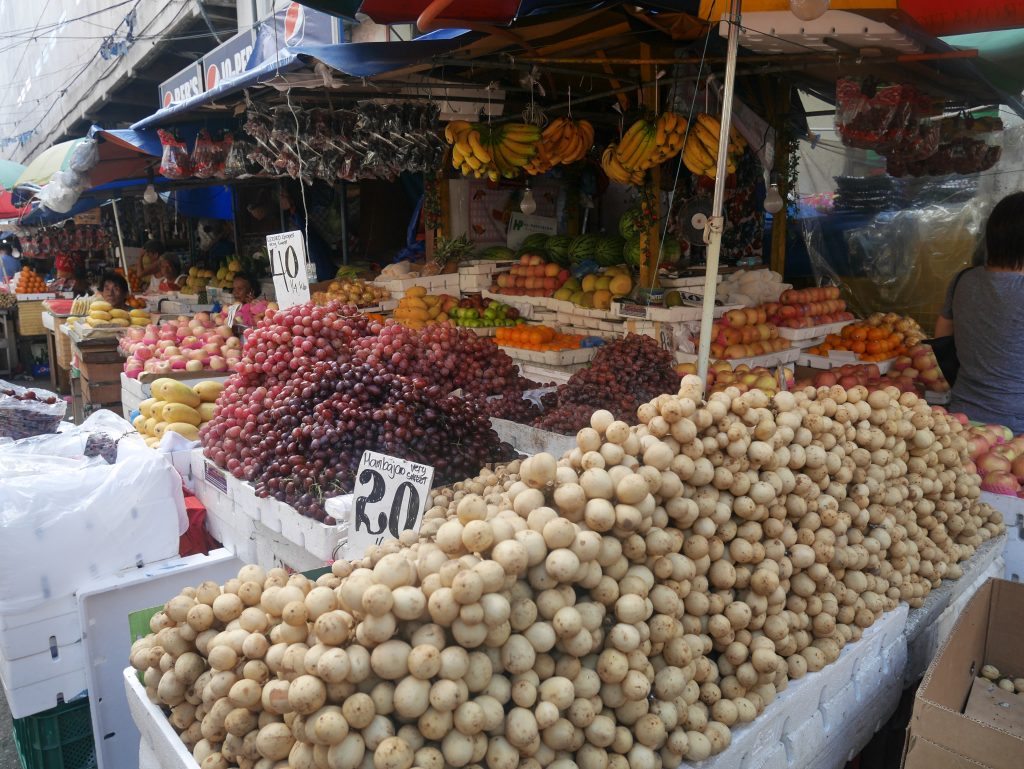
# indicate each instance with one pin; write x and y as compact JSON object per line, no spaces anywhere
{"x":921,"y":366}
{"x":808,"y":307}
{"x":531,"y":277}
{"x":721,"y":374}
{"x":201,"y":343}
{"x":745,"y":333}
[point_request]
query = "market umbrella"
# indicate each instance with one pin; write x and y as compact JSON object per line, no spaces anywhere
{"x":117,"y":160}
{"x":9,"y":173}
{"x":48,"y":162}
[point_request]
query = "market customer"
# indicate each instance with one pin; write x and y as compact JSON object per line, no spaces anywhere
{"x":114,"y":290}
{"x":984,"y":312}
{"x":9,"y":262}
{"x":246,"y":291}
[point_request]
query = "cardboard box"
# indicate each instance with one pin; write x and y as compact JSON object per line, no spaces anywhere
{"x":949,"y":728}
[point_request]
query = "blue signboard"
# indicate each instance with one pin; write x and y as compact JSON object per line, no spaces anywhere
{"x":229,"y":59}
{"x":182,"y":87}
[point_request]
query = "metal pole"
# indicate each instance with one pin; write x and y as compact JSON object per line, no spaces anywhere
{"x":120,"y":238}
{"x":713,"y":235}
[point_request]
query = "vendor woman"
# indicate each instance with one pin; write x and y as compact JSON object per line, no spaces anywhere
{"x":169,"y":274}
{"x":984,"y":312}
{"x":114,"y":290}
{"x":246,"y":291}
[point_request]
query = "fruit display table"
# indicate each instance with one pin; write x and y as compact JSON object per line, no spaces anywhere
{"x":820,"y":721}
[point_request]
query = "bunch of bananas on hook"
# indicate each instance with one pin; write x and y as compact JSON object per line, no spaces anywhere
{"x":701,"y":153}
{"x":562,"y":142}
{"x":493,"y":153}
{"x":646,"y":144}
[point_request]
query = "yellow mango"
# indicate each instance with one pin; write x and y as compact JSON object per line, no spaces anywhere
{"x":158,"y":429}
{"x":416,"y":291}
{"x":139,"y":423}
{"x":145,"y":405}
{"x":208,"y":392}
{"x":174,"y":391}
{"x":179,"y":412}
{"x":119,"y":314}
{"x":191,"y":432}
{"x":206,"y":411}
{"x":139,"y":314}
{"x":99,"y":304}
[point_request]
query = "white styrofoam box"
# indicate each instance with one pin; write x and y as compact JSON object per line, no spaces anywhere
{"x":937,"y":398}
{"x":531,"y":440}
{"x":104,"y":606}
{"x":434,"y":284}
{"x":317,"y":539}
{"x":825,"y":362}
{"x":774,"y":32}
{"x":273,"y":549}
{"x":46,"y":693}
{"x":29,"y":632}
{"x":552,"y":357}
{"x":544,"y":375}
{"x":666,"y":314}
{"x":54,"y":661}
{"x":234,"y":530}
{"x":691,"y":282}
{"x":803,"y":740}
{"x":164,"y":747}
{"x":767,"y":361}
{"x":812,"y":332}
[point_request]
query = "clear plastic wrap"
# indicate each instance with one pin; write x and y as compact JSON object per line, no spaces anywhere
{"x":62,"y":191}
{"x":85,"y":156}
{"x":28,"y":412}
{"x":175,"y":162}
{"x":871,"y":115}
{"x":66,"y":518}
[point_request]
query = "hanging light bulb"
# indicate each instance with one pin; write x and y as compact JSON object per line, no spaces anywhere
{"x":150,"y":196}
{"x":808,"y":10}
{"x":773,"y":200}
{"x":528,"y":205}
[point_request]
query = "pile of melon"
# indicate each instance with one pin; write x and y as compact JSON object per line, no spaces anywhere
{"x":177,"y":408}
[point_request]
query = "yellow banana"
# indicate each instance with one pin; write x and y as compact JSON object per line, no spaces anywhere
{"x":706,"y":138}
{"x":453,"y":129}
{"x":660,"y":134}
{"x":554,"y":128}
{"x":478,"y":149}
{"x":521,"y":132}
{"x":474,"y":162}
{"x":737,"y":139}
{"x":513,"y":147}
{"x":631,"y":139}
{"x":697,"y":154}
{"x":710,"y":122}
{"x":642,"y":150}
{"x":463,"y":146}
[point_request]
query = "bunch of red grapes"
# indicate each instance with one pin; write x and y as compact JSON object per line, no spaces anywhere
{"x":623,"y":374}
{"x":317,"y":386}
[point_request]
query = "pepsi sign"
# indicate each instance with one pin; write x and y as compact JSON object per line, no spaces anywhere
{"x":229,"y":59}
{"x":181,"y":87}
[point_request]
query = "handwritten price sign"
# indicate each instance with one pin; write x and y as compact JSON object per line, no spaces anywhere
{"x":287,"y":253}
{"x":390,"y":497}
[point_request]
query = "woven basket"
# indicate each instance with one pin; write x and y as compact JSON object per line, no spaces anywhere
{"x":30,"y":318}
{"x":63,"y":349}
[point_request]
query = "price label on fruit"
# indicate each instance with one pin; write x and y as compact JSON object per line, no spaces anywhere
{"x":287,"y":252}
{"x":390,"y":497}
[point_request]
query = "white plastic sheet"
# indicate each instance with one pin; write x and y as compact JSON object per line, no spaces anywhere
{"x":65,"y":519}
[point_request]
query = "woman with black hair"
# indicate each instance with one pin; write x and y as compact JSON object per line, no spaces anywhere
{"x":246,"y":291}
{"x":984,"y":312}
{"x":114,"y":290}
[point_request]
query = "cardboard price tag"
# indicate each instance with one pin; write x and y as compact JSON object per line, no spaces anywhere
{"x":390,"y":497}
{"x":287,"y":252}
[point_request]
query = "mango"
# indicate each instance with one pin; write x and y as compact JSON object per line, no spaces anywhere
{"x":158,"y":429}
{"x":119,"y":314}
{"x":206,"y":411}
{"x":208,"y":392}
{"x":139,"y":423}
{"x":99,"y":304}
{"x":139,"y":314}
{"x":145,"y":406}
{"x":179,"y":412}
{"x":185,"y":430}
{"x":416,"y":291}
{"x":174,"y":391}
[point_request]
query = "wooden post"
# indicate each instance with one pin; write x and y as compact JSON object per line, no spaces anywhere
{"x":650,"y":245}
{"x":781,"y":219}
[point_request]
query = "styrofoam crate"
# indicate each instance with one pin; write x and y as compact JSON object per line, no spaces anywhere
{"x":552,"y":357}
{"x":47,"y":693}
{"x":532,"y":440}
{"x":157,"y":734}
{"x":812,"y":332}
{"x":544,"y":375}
{"x":29,"y":632}
{"x":434,"y":284}
{"x":772,"y":359}
{"x":693,"y":281}
{"x":804,"y":740}
{"x":666,"y":314}
{"x":318,"y":539}
{"x":104,"y":606}
{"x":825,"y":363}
{"x":235,"y":531}
{"x":54,"y":661}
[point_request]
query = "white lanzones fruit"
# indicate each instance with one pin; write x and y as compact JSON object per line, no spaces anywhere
{"x":620,"y":608}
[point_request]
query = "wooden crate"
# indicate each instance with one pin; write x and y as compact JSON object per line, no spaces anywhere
{"x":63,"y":344}
{"x":30,"y":318}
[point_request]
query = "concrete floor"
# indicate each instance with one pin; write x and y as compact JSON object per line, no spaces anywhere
{"x":8,"y":753}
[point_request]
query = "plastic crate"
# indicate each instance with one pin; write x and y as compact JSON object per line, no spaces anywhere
{"x":59,"y":738}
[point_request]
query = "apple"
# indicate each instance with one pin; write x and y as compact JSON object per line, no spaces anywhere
{"x":194,"y":365}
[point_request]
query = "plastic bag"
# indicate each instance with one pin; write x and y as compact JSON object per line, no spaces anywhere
{"x":175,"y":162}
{"x":873,"y":116}
{"x":208,"y":156}
{"x":66,"y":518}
{"x":26,"y":413}
{"x":62,"y":191}
{"x":85,"y":156}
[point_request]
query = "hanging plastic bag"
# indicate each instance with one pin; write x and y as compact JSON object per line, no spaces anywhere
{"x":223,"y":147}
{"x":62,"y":192}
{"x":85,"y":156}
{"x":174,"y":162}
{"x":203,"y":161}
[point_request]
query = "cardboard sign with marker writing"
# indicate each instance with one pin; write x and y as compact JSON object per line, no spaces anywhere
{"x":390,"y":497}
{"x":287,"y":252}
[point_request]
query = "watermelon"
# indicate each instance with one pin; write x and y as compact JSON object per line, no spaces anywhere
{"x":496,"y":253}
{"x":671,"y":251}
{"x":558,"y":249}
{"x":631,"y":222}
{"x":631,"y":251}
{"x":533,"y":244}
{"x":583,"y":247}
{"x":609,"y":250}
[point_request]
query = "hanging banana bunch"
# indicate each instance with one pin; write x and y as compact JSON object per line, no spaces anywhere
{"x":492,"y":153}
{"x":701,"y":153}
{"x":563,"y":141}
{"x":645,"y":145}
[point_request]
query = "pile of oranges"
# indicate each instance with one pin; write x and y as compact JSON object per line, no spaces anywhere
{"x":542,"y":338}
{"x":29,"y":282}
{"x":869,"y":342}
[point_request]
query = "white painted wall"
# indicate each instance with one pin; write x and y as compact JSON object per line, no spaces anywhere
{"x":52,"y":70}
